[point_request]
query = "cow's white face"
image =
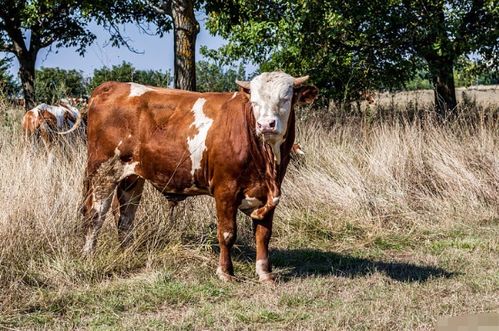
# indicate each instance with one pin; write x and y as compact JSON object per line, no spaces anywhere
{"x":271,"y":95}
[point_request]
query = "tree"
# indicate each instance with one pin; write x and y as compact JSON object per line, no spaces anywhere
{"x":213,"y":77}
{"x":185,"y":29}
{"x":27,"y":26}
{"x":329,"y":40}
{"x":441,"y":32}
{"x":53,"y":84}
{"x":347,"y":46}
{"x":8,"y":86}
{"x":127,"y":73}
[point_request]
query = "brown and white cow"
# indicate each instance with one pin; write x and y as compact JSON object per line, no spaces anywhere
{"x":232,"y":146}
{"x":46,"y":120}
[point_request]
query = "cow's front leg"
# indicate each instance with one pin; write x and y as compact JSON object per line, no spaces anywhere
{"x":263,"y":231}
{"x":226,"y":233}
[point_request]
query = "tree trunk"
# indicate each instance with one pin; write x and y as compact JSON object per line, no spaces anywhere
{"x":27,"y":75}
{"x":442,"y":74}
{"x":186,"y":29}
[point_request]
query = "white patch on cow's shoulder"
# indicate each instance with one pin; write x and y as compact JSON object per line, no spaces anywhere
{"x":250,"y":203}
{"x":197,"y":144}
{"x":128,"y":169}
{"x":138,"y":89}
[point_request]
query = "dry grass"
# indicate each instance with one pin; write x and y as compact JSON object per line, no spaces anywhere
{"x":384,"y":225}
{"x":481,"y":95}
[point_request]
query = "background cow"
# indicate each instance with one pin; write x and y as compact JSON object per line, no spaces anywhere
{"x":46,"y":120}
{"x":232,"y":146}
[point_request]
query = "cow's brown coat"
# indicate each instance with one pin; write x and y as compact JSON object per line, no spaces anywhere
{"x":148,"y":134}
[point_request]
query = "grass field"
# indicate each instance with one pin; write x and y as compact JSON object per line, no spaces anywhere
{"x":383,"y":225}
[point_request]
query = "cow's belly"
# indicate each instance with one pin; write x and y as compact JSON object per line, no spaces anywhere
{"x":169,"y":171}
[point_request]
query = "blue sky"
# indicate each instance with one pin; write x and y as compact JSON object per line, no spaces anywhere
{"x":157,"y":52}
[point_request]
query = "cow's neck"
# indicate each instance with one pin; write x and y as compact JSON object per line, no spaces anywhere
{"x":269,"y":160}
{"x":276,"y":149}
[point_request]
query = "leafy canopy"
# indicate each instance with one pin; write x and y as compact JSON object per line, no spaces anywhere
{"x":349,"y":46}
{"x":64,"y":23}
{"x":8,"y":86}
{"x":126,"y":72}
{"x":213,"y":77}
{"x":53,"y":84}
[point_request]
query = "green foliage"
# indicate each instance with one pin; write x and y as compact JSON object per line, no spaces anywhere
{"x":213,"y":77}
{"x":126,"y":72}
{"x":8,"y":86}
{"x":334,"y":42}
{"x":53,"y":84}
{"x":420,"y":81}
{"x":64,"y":23}
{"x":469,"y":72}
{"x":349,"y":46}
{"x":27,"y":26}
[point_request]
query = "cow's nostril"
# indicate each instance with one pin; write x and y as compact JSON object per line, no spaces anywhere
{"x":258,"y":125}
{"x":272,"y":124}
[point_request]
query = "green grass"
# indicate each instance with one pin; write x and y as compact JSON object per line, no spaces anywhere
{"x":381,"y":285}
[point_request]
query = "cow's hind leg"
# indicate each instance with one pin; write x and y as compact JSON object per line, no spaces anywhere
{"x":99,"y":188}
{"x":226,"y":233}
{"x":125,"y":205}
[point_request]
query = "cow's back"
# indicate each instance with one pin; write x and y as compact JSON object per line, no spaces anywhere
{"x":164,"y":131}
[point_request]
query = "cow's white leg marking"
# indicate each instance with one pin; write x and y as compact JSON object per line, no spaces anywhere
{"x":100,"y":207}
{"x":275,"y":201}
{"x":262,"y":267}
{"x":197,"y":144}
{"x":227,"y":235}
{"x":223,"y":275}
{"x":138,"y":89}
{"x":103,"y":183}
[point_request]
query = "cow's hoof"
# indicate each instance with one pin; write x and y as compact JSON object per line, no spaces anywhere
{"x":267,"y":278}
{"x":224,"y":276}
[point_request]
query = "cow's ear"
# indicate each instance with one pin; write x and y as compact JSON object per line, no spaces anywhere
{"x":244,"y":86}
{"x":306,"y":94}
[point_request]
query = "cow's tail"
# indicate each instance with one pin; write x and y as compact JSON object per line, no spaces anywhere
{"x":75,"y":126}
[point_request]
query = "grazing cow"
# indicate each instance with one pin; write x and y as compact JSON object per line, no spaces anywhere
{"x":232,"y":146}
{"x":45,"y":120}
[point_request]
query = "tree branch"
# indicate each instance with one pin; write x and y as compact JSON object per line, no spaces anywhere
{"x":165,"y":7}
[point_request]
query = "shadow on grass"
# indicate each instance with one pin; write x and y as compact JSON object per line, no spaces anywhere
{"x":310,"y":262}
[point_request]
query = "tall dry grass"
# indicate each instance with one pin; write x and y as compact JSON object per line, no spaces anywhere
{"x":359,"y":181}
